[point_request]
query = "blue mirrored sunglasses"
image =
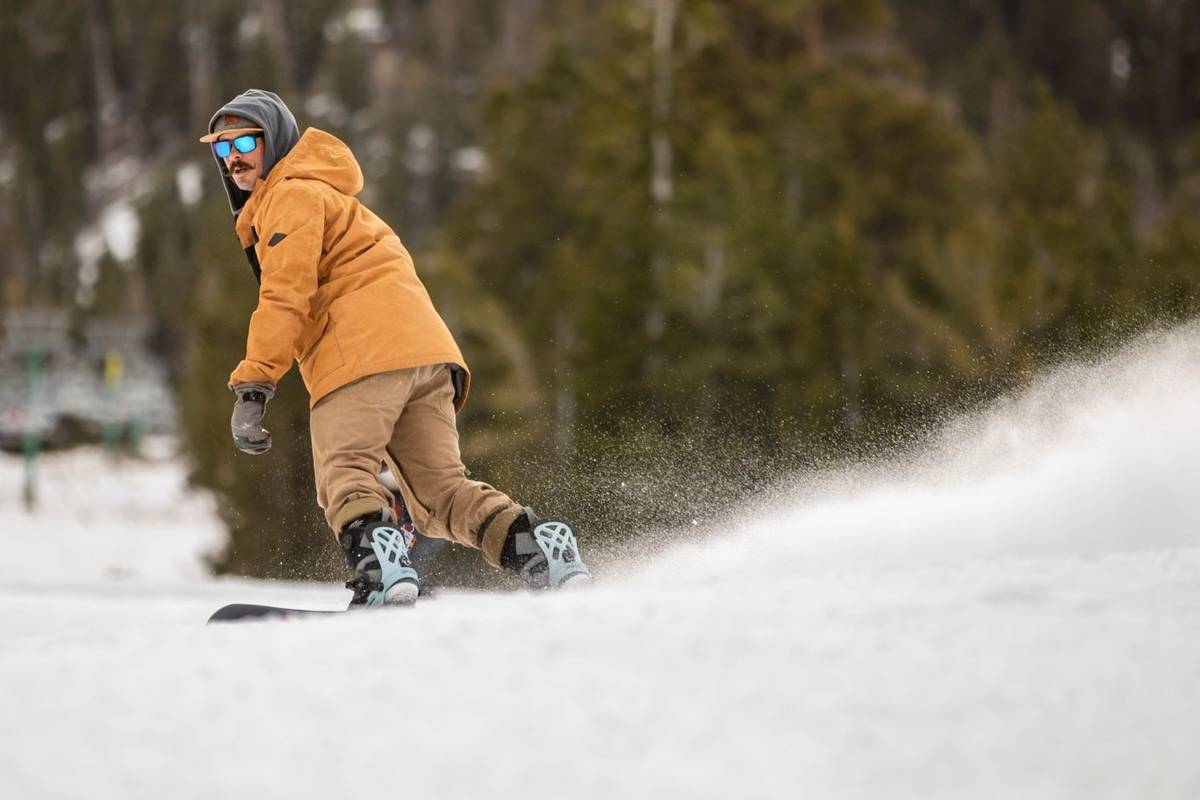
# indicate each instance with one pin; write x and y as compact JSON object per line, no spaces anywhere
{"x":244,"y":144}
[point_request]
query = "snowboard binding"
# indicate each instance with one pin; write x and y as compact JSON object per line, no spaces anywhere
{"x":543,"y":552}
{"x":376,"y":548}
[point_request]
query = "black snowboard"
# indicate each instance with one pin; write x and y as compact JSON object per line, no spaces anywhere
{"x":248,"y":612}
{"x":243,"y":612}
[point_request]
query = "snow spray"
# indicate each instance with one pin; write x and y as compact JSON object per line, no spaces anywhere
{"x":1094,"y":457}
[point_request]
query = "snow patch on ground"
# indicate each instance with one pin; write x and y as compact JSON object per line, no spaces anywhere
{"x":99,"y":517}
{"x":1048,"y":677}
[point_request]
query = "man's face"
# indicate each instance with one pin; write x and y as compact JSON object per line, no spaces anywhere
{"x":244,"y":168}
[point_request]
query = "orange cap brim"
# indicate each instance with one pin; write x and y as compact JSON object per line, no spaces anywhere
{"x":212,"y":137}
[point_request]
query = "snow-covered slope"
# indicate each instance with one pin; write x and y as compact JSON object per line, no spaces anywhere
{"x":1013,"y":615}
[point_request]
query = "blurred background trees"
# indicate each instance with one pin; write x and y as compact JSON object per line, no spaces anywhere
{"x":688,"y":246}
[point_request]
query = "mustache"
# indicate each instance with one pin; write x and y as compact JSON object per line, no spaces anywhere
{"x":233,"y":168}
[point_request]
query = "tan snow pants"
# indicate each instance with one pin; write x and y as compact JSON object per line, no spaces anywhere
{"x":405,"y":419}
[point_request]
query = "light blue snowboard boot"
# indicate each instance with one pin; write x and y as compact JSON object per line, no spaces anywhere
{"x":544,"y":553}
{"x":377,"y":550}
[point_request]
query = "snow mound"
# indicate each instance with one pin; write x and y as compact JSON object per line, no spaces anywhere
{"x":1094,"y":458}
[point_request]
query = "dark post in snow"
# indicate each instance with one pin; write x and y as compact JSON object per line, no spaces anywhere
{"x":32,"y":440}
{"x":34,"y":337}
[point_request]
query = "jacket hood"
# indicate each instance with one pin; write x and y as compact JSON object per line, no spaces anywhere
{"x":323,"y":157}
{"x":318,"y":156}
{"x":280,"y":135}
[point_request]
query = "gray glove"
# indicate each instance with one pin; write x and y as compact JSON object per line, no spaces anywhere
{"x":249,"y":435}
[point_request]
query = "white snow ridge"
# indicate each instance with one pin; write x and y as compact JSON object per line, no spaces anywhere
{"x":1013,"y":615}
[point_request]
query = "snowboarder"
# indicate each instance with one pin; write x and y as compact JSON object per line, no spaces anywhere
{"x":338,"y":294}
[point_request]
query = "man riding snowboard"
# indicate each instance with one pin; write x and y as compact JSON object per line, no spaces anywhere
{"x":338,"y":293}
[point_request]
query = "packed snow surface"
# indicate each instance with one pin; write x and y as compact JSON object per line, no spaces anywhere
{"x":1012,"y":614}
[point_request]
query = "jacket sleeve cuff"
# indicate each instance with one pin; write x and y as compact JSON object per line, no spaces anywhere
{"x":268,"y":389}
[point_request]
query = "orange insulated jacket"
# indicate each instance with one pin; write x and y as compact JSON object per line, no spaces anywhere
{"x":338,"y":290}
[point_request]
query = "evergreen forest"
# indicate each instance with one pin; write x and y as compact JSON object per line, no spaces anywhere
{"x":690,"y":248}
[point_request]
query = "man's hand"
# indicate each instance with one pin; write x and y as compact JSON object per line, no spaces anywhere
{"x":249,"y":435}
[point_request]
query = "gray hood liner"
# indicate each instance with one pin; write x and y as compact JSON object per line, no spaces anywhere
{"x":280,"y":134}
